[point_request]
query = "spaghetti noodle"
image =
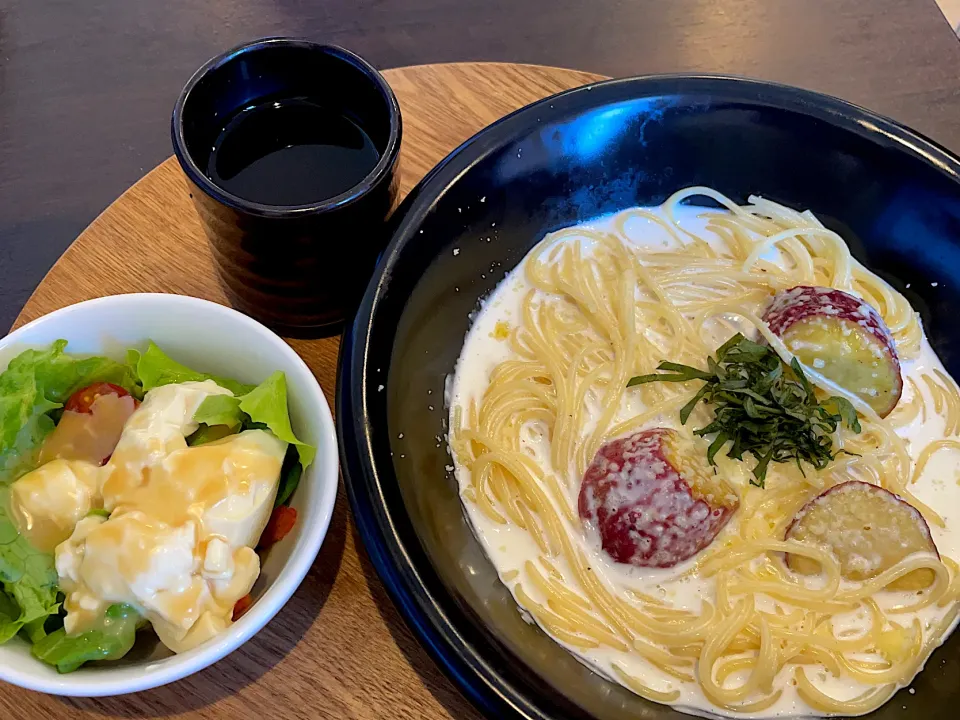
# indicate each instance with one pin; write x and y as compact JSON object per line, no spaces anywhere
{"x":590,"y":307}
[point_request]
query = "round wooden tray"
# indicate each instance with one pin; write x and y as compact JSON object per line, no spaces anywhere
{"x":338,"y":649}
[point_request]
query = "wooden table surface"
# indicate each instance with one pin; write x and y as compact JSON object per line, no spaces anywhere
{"x":87,"y":86}
{"x":85,"y":94}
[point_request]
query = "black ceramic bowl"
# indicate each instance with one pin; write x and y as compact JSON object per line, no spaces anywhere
{"x":894,"y":195}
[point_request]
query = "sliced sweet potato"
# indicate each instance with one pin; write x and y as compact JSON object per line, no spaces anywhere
{"x":841,"y":337}
{"x":867,"y":528}
{"x":651,"y":501}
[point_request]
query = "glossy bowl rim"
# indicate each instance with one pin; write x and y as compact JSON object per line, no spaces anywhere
{"x":482,"y":682}
{"x":141,"y":677}
{"x":379,"y":174}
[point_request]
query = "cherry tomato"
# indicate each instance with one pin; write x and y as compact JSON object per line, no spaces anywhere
{"x":243,"y":604}
{"x":89,"y":435}
{"x":281,"y":523}
{"x":83,"y":399}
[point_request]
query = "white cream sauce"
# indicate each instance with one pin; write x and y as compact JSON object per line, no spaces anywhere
{"x":509,"y":548}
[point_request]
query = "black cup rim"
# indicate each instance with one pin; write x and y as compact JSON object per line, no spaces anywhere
{"x":388,"y":157}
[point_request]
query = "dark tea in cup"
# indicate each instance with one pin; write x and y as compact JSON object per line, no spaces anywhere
{"x":290,"y":150}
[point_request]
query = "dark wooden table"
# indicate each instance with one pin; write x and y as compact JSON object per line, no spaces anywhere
{"x":86,"y":88}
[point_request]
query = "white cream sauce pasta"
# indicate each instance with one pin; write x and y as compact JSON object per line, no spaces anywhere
{"x":541,"y":384}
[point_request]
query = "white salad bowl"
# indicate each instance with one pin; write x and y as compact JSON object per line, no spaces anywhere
{"x":210,"y":338}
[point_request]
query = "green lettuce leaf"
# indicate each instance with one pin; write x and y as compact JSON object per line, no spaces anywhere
{"x":156,"y":368}
{"x":21,"y":457}
{"x":111,"y":640}
{"x":267,"y":404}
{"x":290,"y":475}
{"x":9,"y":615}
{"x":29,"y":582}
{"x":264,"y":406}
{"x":38,"y":382}
{"x":220,"y":410}
{"x":35,"y":631}
{"x":209,"y":433}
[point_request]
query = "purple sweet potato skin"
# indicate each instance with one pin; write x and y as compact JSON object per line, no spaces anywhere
{"x":806,"y":303}
{"x":646,"y":512}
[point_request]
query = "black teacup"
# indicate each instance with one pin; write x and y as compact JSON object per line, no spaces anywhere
{"x":290,"y":151}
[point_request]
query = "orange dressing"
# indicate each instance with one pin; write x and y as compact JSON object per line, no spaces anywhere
{"x":89,"y":436}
